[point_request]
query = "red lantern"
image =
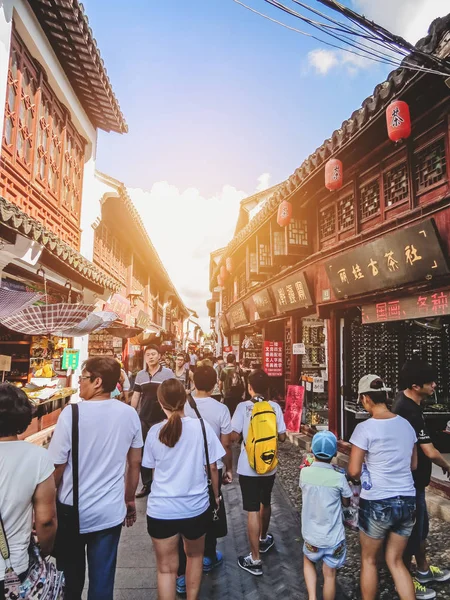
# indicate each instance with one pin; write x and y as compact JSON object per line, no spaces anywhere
{"x":219,"y":281}
{"x":334,"y":174}
{"x":284,"y":215}
{"x":229,"y":264}
{"x":223,"y":272}
{"x":398,"y":121}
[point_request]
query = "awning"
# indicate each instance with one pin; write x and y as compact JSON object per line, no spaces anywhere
{"x":123,"y":331}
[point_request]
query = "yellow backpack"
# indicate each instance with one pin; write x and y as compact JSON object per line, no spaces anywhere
{"x":262,"y":438}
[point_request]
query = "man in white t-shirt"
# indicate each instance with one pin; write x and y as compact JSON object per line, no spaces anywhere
{"x":110,"y":449}
{"x":218,"y":416}
{"x":256,"y":489}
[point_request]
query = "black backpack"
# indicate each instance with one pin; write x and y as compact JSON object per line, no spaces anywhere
{"x":234,"y":381}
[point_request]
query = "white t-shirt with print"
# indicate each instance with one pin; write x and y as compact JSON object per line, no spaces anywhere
{"x":389,"y":446}
{"x":240,"y":424}
{"x":23,"y":467}
{"x":107,"y":431}
{"x":179,"y":487}
{"x":217,"y":415}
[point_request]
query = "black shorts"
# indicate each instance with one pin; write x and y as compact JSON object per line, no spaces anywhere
{"x":191,"y":529}
{"x":256,"y":491}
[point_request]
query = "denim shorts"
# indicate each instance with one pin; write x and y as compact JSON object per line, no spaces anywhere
{"x":421,"y":527}
{"x":377,"y":518}
{"x":333,"y":557}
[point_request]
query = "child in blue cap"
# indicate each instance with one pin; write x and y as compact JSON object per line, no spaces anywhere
{"x":324,"y":491}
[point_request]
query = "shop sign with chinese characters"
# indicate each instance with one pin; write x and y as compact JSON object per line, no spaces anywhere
{"x":292,"y":293}
{"x":120,"y":305}
{"x":70,"y":359}
{"x":143,"y":320}
{"x":263,"y":304}
{"x":426,"y":304}
{"x":237,"y":316}
{"x":273,"y":358}
{"x":405,"y":256}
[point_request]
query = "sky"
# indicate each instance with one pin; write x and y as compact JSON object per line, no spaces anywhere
{"x":222,"y":103}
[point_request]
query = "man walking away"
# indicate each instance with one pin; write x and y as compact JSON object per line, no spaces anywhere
{"x":256,"y":489}
{"x":418,"y":379}
{"x":109,"y":453}
{"x":324,"y":491}
{"x":231,"y":384}
{"x":144,"y":400}
{"x":218,"y":416}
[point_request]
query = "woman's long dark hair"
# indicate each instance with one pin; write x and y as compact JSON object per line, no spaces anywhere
{"x":172,"y":397}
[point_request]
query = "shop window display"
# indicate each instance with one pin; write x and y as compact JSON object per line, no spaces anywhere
{"x":314,"y":373}
{"x":251,"y":349}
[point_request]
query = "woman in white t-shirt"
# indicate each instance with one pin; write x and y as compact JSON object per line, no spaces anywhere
{"x":175,"y":450}
{"x":27,"y":484}
{"x":387,"y":444}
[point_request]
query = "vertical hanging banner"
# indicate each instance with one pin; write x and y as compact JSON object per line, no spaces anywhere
{"x":294,"y":407}
{"x":273,"y":358}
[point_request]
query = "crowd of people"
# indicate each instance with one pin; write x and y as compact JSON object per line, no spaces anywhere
{"x":176,"y":435}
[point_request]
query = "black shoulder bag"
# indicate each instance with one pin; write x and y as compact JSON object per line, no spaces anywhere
{"x":218,"y":526}
{"x":68,"y":533}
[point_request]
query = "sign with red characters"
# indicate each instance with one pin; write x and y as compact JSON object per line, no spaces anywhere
{"x":273,"y":359}
{"x":426,"y":304}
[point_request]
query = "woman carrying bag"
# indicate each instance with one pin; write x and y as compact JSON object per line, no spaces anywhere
{"x":180,"y":450}
{"x":27,"y":487}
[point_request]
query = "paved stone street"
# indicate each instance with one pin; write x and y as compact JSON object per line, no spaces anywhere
{"x":283,"y":577}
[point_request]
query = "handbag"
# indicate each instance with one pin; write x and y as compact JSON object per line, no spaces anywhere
{"x":68,"y":534}
{"x":218,"y":525}
{"x":42,"y":580}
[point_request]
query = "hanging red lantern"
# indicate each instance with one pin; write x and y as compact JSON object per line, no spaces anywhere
{"x":229,"y":264}
{"x":398,"y":121}
{"x":284,"y":215}
{"x":334,"y":174}
{"x":223,"y":272}
{"x":219,"y":281}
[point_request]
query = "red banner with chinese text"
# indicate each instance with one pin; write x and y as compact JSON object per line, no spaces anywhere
{"x":273,"y":358}
{"x":294,"y":407}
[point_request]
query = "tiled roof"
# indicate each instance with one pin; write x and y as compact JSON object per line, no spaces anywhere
{"x":371,"y":107}
{"x":123,"y":194}
{"x":11,"y":215}
{"x":67,"y":29}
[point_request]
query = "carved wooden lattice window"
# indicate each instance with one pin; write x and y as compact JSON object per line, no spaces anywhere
{"x":26,"y":117}
{"x":38,"y":132}
{"x":279,"y":248}
{"x":369,"y":198}
{"x":298,"y":232}
{"x":264,"y":255}
{"x":346,"y":213}
{"x":327,"y":222}
{"x":11,"y":101}
{"x":242,"y":283}
{"x":395,"y":182}
{"x":253,"y":265}
{"x":430,"y":165}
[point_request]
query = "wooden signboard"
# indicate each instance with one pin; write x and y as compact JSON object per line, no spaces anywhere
{"x":292,"y":293}
{"x":237,"y":316}
{"x":294,"y":407}
{"x":263,"y":304}
{"x":405,"y":256}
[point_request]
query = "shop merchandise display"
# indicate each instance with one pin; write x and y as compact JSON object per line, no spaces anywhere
{"x":314,"y":372}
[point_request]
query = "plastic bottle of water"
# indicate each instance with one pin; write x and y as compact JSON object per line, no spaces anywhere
{"x":366,"y":481}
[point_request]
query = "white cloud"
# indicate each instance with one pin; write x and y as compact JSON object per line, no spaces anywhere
{"x":263,"y":182}
{"x":407,"y":18}
{"x":185,"y":227}
{"x":323,"y":60}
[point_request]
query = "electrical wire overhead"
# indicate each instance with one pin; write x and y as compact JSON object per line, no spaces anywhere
{"x":353,"y":33}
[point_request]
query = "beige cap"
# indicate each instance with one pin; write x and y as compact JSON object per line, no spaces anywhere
{"x":364,"y":385}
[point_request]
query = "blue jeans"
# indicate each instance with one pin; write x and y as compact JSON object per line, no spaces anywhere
{"x":102,"y":557}
{"x":377,"y":518}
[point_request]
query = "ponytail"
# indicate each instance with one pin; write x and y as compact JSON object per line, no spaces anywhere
{"x":171,"y":432}
{"x":172,"y":397}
